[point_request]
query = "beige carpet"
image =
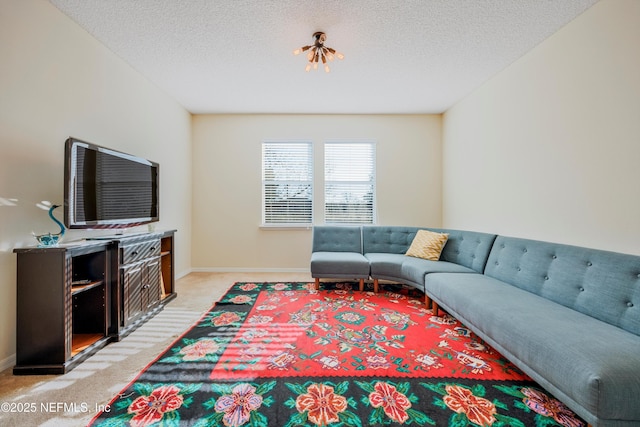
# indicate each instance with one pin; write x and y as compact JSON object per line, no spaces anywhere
{"x":74,"y":398}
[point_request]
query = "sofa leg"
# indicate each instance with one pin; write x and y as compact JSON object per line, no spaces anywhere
{"x":375,"y":286}
{"x":317,"y":284}
{"x":427,"y":301}
{"x":434,"y":306}
{"x":361,"y":285}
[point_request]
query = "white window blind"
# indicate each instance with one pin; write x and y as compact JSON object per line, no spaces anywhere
{"x":287,"y":183}
{"x":349,"y":182}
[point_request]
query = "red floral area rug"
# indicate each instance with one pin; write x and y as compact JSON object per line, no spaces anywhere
{"x":283,"y":354}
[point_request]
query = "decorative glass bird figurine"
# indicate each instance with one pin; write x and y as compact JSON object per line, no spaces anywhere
{"x":49,"y":240}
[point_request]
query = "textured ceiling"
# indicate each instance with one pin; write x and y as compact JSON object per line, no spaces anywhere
{"x":401,"y":56}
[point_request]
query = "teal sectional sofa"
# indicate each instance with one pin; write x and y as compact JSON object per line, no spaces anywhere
{"x":567,"y":316}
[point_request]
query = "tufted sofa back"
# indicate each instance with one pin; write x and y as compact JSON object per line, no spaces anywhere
{"x":338,"y":238}
{"x":387,"y":239}
{"x":468,"y":248}
{"x":601,"y":284}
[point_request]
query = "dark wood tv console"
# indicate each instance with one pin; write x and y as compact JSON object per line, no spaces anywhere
{"x":75,"y":298}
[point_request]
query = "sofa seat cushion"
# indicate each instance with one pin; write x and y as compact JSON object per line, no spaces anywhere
{"x":586,"y":363}
{"x":409,"y":269}
{"x":339,"y":265}
{"x":384,"y":265}
{"x":415,"y":269}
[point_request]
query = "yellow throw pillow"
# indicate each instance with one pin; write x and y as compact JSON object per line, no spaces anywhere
{"x":427,"y":245}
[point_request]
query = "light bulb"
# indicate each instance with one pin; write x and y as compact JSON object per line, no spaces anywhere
{"x":301,"y":49}
{"x":318,"y":52}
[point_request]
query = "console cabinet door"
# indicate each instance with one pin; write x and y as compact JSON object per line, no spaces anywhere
{"x":150,"y":283}
{"x":132,"y":293}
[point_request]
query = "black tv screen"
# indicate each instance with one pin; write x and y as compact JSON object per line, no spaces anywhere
{"x":105,"y":188}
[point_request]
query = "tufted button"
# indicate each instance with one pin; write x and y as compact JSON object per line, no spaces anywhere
{"x":554,"y":256}
{"x":638,"y":275}
{"x":546,"y":277}
{"x":519,"y":269}
{"x":473,"y":256}
{"x":629,"y":304}
{"x":524,"y":250}
{"x":589,"y":264}
{"x":581,"y":289}
{"x":497,"y":263}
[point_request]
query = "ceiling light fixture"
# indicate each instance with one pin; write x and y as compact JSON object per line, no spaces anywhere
{"x":319,"y":52}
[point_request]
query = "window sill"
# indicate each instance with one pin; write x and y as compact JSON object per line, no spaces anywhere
{"x":286,"y":226}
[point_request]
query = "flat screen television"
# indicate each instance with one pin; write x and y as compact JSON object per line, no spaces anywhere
{"x":105,"y":188}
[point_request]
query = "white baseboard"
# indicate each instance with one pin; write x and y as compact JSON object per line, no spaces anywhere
{"x":249,"y":270}
{"x":183,"y":273}
{"x":8,"y":362}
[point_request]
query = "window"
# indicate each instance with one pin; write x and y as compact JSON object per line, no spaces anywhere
{"x":349,"y":182}
{"x":287,"y":183}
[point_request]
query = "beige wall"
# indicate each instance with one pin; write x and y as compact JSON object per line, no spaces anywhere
{"x":227,"y":182}
{"x":549,"y":148}
{"x":57,"y":81}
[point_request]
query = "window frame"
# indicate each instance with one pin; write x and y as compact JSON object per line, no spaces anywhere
{"x":372,"y":182}
{"x":266,"y":222}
